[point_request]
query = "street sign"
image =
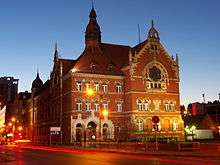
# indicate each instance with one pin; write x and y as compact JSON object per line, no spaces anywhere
{"x":155,"y":119}
{"x":57,"y":129}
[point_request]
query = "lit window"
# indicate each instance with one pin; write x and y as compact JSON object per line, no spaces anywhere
{"x":79,"y":85}
{"x":105,"y":88}
{"x":169,"y":107}
{"x":79,"y":106}
{"x":119,"y":107}
{"x":105,"y":105}
{"x":140,"y":125}
{"x":175,"y":125}
{"x":140,"y":105}
{"x":96,"y":106}
{"x":88,"y":106}
{"x":88,"y":85}
{"x":96,"y":87}
{"x":118,"y":88}
{"x":145,"y":106}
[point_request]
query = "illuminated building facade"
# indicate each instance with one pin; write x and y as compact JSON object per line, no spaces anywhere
{"x":132,"y":83}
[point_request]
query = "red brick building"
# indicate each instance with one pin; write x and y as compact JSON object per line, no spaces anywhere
{"x":132,"y":83}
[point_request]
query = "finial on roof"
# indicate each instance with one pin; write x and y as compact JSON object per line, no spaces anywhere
{"x":37,"y":72}
{"x":92,"y":4}
{"x":152,"y":23}
{"x":56,"y":54}
{"x":56,"y":46}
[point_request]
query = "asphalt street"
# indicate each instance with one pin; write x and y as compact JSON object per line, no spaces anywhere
{"x":33,"y":155}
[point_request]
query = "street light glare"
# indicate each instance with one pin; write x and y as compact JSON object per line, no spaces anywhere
{"x":105,"y":112}
{"x":13,"y":119}
{"x":90,"y":92}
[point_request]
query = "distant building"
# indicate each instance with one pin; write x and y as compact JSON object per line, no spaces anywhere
{"x":2,"y":114}
{"x":204,"y":116}
{"x":8,"y":93}
{"x":8,"y":88}
{"x":132,"y":83}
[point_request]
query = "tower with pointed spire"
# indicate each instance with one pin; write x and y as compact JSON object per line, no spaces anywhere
{"x":93,"y":32}
{"x":37,"y":83}
{"x":56,"y":54}
{"x":153,"y":33}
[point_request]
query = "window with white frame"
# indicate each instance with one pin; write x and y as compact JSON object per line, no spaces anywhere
{"x":175,"y":125}
{"x":88,"y":106}
{"x":169,"y":106}
{"x":79,"y":85}
{"x":96,"y":105}
{"x":145,"y":105}
{"x":118,"y":88}
{"x":88,"y":85}
{"x":140,"y":124}
{"x":139,"y":105}
{"x":119,"y":106}
{"x":96,"y":84}
{"x":79,"y":106}
{"x":105,"y":105}
{"x":105,"y":88}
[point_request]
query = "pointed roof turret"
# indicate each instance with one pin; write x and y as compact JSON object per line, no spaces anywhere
{"x":37,"y":83}
{"x":153,"y":33}
{"x":56,"y":54}
{"x":93,"y":32}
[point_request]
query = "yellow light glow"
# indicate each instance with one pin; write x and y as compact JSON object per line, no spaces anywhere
{"x":105,"y":112}
{"x":10,"y":124}
{"x":20,"y":128}
{"x":13,"y":119}
{"x":90,"y":92}
{"x":74,"y":70}
{"x":193,"y":128}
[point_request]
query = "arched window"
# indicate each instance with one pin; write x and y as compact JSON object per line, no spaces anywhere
{"x":175,"y":124}
{"x":166,"y":124}
{"x":145,"y":105}
{"x":140,"y":124}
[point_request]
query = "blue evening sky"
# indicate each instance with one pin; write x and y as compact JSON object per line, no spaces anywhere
{"x":191,"y":28}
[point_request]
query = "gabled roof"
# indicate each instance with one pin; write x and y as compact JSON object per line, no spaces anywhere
{"x":118,"y":54}
{"x":103,"y":59}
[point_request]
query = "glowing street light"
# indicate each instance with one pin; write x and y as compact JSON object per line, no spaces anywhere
{"x":10,"y":124}
{"x":20,"y":128}
{"x":105,"y":112}
{"x":90,"y":92}
{"x":13,"y":119}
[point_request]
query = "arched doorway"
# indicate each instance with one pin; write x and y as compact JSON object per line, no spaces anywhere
{"x":105,"y":131}
{"x":91,"y":127}
{"x":79,"y":130}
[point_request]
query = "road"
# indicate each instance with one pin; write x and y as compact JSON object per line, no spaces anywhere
{"x":33,"y":155}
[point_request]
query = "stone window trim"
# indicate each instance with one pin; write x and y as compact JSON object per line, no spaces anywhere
{"x":119,"y":88}
{"x":143,"y":105}
{"x":88,"y":106}
{"x":78,"y":106}
{"x":170,"y":105}
{"x":79,"y":85}
{"x":140,"y":125}
{"x":119,"y":106}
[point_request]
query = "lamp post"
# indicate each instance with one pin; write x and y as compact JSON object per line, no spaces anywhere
{"x":91,"y":93}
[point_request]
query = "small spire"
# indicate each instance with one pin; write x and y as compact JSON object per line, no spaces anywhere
{"x":55,"y":52}
{"x":177,"y":59}
{"x":153,"y":33}
{"x":37,"y":72}
{"x":152,"y":23}
{"x":55,"y":46}
{"x":92,"y":4}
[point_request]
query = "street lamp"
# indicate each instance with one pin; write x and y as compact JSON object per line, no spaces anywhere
{"x":13,"y":119}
